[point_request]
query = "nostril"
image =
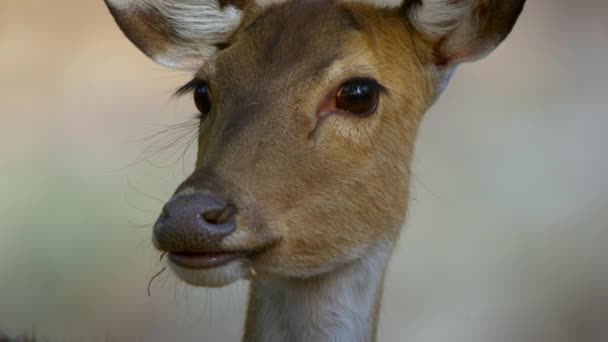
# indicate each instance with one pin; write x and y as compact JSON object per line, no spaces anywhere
{"x":218,"y":216}
{"x":164,"y":215}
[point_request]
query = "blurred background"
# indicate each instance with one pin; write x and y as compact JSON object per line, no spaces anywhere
{"x":507,"y":237}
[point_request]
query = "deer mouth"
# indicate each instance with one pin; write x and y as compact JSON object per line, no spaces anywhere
{"x":209,"y":269}
{"x":204,"y":260}
{"x":215,"y":268}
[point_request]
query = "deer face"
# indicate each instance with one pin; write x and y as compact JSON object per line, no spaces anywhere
{"x":309,"y":112}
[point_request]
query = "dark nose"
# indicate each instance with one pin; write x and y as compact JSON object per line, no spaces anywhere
{"x":189,"y":221}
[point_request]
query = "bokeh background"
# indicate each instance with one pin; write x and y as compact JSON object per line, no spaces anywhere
{"x":507,"y":238}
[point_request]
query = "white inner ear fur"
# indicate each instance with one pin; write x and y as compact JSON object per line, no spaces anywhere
{"x":376,"y":3}
{"x":198,"y":25}
{"x":450,"y":19}
{"x":196,"y":20}
{"x":438,"y":18}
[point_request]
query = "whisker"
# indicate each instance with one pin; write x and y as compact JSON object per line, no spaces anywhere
{"x":141,"y":192}
{"x":154,"y":277}
{"x":146,"y":226}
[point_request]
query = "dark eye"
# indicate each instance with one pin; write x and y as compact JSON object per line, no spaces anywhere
{"x":201,"y":98}
{"x":358,"y":96}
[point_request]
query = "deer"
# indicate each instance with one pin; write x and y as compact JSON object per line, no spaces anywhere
{"x":309,"y":111}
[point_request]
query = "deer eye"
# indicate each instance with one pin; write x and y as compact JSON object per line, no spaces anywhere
{"x":201,"y":98}
{"x":358,"y":96}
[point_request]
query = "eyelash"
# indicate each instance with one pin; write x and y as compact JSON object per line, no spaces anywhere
{"x":186,"y":88}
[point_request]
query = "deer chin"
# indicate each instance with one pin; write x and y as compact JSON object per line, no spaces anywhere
{"x":217,"y":276}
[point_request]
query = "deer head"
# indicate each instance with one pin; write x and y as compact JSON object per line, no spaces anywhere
{"x":308,"y":117}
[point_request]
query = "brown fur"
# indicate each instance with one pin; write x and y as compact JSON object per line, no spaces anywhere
{"x":351,"y":175}
{"x":313,"y":197}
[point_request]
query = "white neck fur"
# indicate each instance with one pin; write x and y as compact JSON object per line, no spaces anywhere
{"x":338,"y":306}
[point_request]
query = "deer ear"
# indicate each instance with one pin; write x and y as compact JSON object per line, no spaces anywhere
{"x":176,"y":33}
{"x":463,"y":30}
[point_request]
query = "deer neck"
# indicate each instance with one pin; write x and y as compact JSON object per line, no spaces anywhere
{"x":342,"y":305}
